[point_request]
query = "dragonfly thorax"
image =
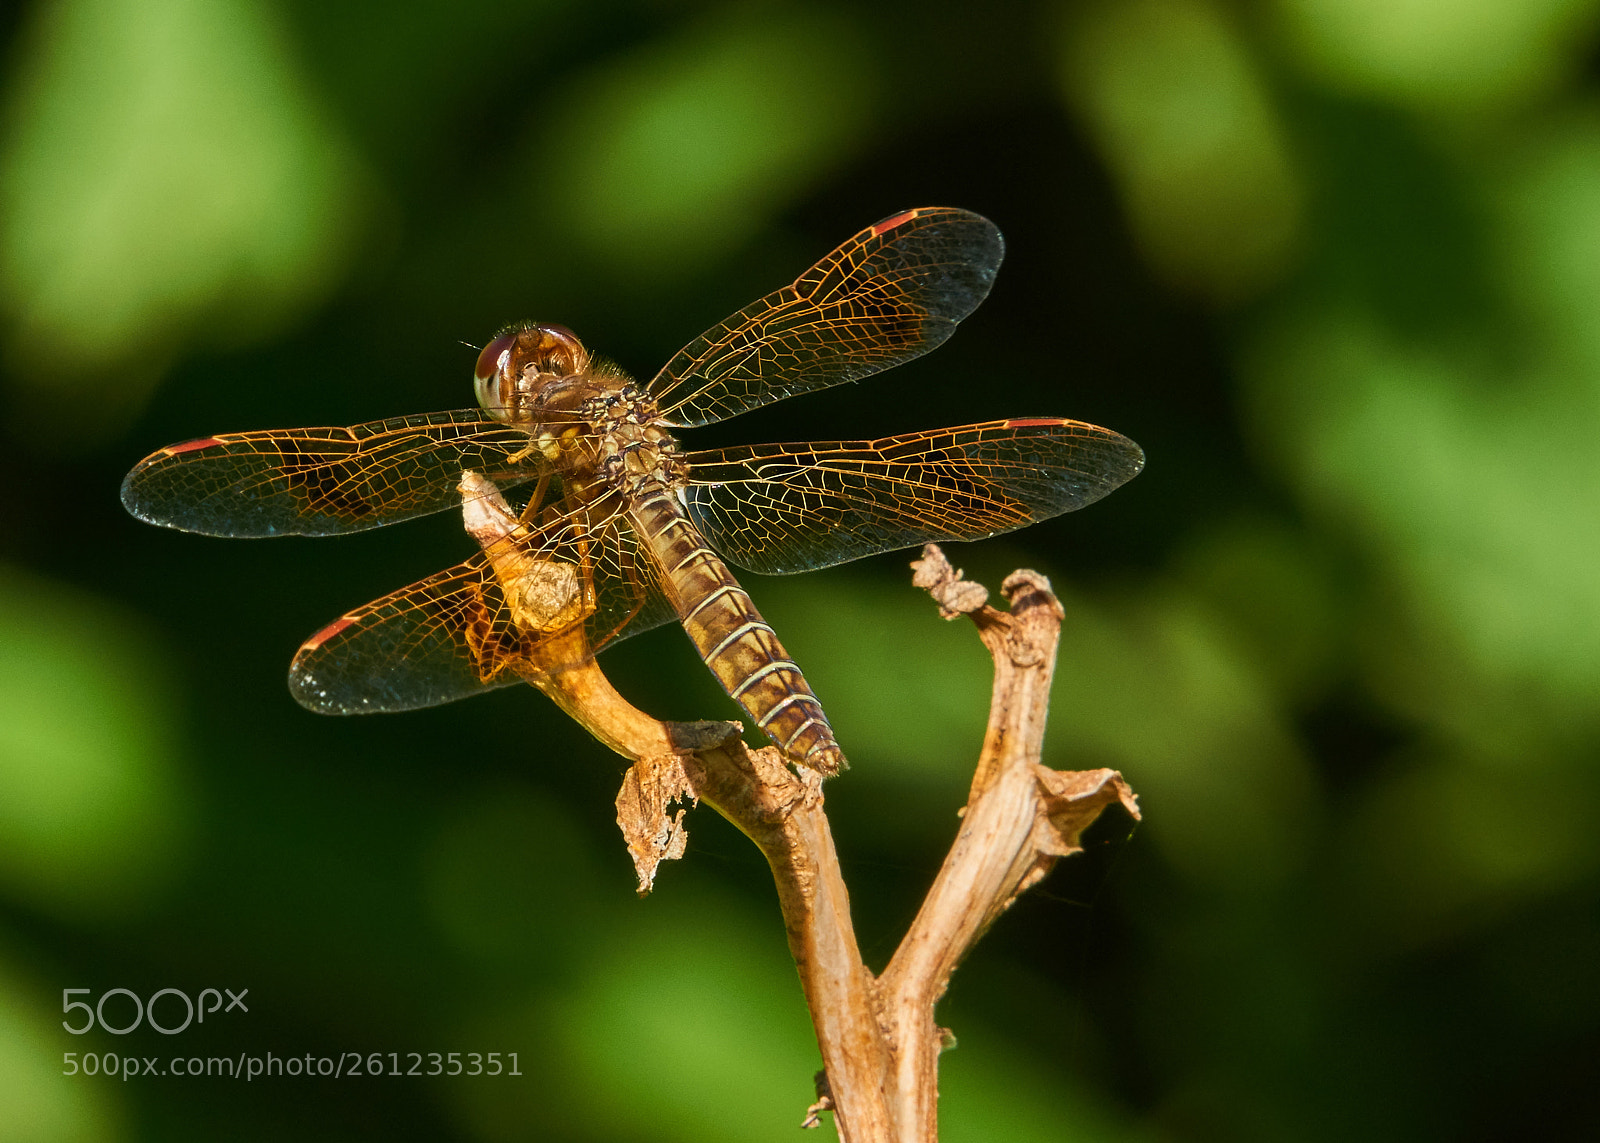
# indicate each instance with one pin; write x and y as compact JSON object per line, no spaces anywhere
{"x":634,"y":449}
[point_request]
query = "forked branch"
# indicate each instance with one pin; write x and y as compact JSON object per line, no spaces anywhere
{"x":877,"y":1035}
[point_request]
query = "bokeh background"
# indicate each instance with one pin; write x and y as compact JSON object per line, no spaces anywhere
{"x":1335,"y":264}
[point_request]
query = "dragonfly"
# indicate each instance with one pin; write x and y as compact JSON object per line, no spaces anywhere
{"x":622,"y":528}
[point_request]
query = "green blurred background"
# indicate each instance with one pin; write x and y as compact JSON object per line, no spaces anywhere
{"x":1335,"y":264}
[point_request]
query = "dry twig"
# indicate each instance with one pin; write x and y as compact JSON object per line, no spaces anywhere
{"x":877,"y":1035}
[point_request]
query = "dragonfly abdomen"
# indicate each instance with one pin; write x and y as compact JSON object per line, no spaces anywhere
{"x":738,"y":645}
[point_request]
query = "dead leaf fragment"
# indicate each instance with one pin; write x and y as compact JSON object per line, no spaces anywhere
{"x":1071,"y":800}
{"x":653,"y":830}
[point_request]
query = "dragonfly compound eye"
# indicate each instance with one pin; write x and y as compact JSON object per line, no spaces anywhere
{"x":559,"y":352}
{"x":493,"y":373}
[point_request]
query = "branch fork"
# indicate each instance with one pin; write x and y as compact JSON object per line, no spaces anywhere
{"x":877,"y":1035}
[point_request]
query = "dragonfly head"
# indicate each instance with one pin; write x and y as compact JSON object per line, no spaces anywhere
{"x":526,"y":368}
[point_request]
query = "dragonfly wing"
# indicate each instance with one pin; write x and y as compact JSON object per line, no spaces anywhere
{"x":465,"y":630}
{"x":409,"y":649}
{"x":889,"y":294}
{"x":322,"y":482}
{"x":792,"y":508}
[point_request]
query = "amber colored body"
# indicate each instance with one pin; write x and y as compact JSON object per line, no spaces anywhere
{"x":602,"y":434}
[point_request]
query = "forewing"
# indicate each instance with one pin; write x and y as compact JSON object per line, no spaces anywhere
{"x":322,"y":482}
{"x":889,"y":294}
{"x":458,"y":633}
{"x":792,"y":508}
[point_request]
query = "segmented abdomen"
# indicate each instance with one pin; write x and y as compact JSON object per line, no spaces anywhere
{"x":738,"y":645}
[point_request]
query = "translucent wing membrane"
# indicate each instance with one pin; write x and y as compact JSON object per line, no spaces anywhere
{"x":469,"y":629}
{"x":564,"y":577}
{"x":321,"y":482}
{"x":795,"y":507}
{"x":889,"y":294}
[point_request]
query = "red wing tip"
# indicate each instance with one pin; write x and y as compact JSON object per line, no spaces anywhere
{"x":191,"y":446}
{"x":324,"y":635}
{"x":889,"y":224}
{"x":1033,"y":422}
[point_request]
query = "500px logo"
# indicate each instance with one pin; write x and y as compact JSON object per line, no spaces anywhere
{"x":146,"y":1013}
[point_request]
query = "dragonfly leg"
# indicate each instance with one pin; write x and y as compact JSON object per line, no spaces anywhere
{"x":531,"y":509}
